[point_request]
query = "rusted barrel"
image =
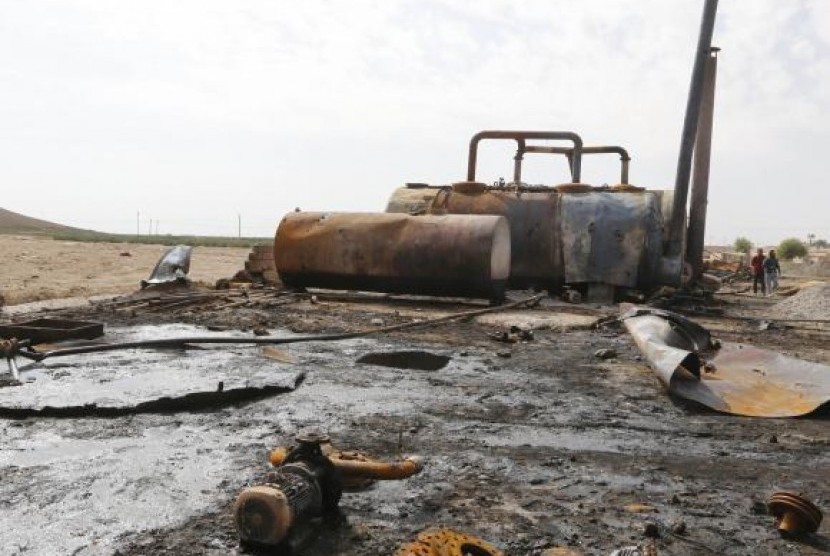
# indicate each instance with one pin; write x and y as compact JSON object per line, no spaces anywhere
{"x":448,"y":255}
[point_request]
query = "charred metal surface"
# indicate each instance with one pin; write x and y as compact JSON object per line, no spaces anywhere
{"x":520,"y":137}
{"x":733,"y":378}
{"x":433,"y":255}
{"x":700,"y":179}
{"x":610,"y":237}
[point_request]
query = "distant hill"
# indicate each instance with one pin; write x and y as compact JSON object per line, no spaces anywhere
{"x":14,"y":223}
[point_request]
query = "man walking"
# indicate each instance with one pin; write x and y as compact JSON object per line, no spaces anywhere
{"x":771,"y":271}
{"x":757,"y":264}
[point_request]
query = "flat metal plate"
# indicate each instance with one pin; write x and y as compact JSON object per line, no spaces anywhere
{"x":52,"y":330}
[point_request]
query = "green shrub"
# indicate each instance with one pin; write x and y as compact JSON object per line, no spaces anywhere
{"x":742,"y":245}
{"x":791,"y":248}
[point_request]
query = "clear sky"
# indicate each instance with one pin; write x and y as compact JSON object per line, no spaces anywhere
{"x":194,"y":112}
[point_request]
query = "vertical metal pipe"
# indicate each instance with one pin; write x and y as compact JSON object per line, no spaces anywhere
{"x":690,"y":122}
{"x":700,"y":179}
{"x":624,"y":160}
{"x":517,"y":161}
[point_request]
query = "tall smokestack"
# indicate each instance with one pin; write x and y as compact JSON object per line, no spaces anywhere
{"x":677,"y":230}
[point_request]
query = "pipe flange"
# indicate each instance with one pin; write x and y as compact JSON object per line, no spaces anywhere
{"x":794,"y":514}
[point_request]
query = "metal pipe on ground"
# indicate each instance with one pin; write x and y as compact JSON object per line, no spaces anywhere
{"x":700,"y":179}
{"x":445,"y":255}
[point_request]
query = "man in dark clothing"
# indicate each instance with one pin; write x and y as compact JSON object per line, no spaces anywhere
{"x":757,"y":264}
{"x":771,"y":271}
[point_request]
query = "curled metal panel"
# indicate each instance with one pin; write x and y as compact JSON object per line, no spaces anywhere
{"x":732,"y":378}
{"x":173,"y":266}
{"x":463,"y":255}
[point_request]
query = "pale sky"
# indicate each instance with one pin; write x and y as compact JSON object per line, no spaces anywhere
{"x":191,"y":112}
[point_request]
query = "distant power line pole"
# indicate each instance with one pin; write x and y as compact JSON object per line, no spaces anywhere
{"x":150,"y":229}
{"x":238,"y":225}
{"x":137,"y":222}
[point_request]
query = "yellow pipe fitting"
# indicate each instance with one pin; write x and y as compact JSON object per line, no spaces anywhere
{"x":355,"y":465}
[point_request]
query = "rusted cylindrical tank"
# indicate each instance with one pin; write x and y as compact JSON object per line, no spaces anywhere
{"x":568,"y":234}
{"x":454,"y":255}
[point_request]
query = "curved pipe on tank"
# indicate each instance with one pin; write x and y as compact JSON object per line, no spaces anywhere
{"x":600,"y":149}
{"x":520,"y":137}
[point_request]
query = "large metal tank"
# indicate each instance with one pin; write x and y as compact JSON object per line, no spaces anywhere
{"x":454,"y":255}
{"x":570,"y":234}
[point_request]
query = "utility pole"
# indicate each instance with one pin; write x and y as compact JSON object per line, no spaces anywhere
{"x":239,"y":225}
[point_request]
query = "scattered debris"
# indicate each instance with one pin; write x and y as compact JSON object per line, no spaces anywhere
{"x":305,"y":484}
{"x":651,"y":530}
{"x":447,"y":542}
{"x":605,"y":353}
{"x":647,"y":550}
{"x":794,"y":514}
{"x":637,"y":508}
{"x":513,"y":335}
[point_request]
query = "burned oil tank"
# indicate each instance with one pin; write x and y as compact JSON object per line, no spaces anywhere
{"x":453,"y":255}
{"x":572,"y":233}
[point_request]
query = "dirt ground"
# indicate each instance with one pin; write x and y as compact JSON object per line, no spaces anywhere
{"x":36,"y":268}
{"x":530,"y":445}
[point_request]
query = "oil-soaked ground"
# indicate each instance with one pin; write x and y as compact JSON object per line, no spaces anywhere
{"x":529,"y":445}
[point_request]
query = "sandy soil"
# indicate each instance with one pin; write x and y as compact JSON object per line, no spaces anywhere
{"x":36,"y":268}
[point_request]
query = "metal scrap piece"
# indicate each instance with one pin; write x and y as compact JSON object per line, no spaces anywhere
{"x":740,"y":379}
{"x":446,"y":542}
{"x":173,"y":266}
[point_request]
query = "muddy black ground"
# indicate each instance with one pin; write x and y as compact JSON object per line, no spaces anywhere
{"x":529,"y":445}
